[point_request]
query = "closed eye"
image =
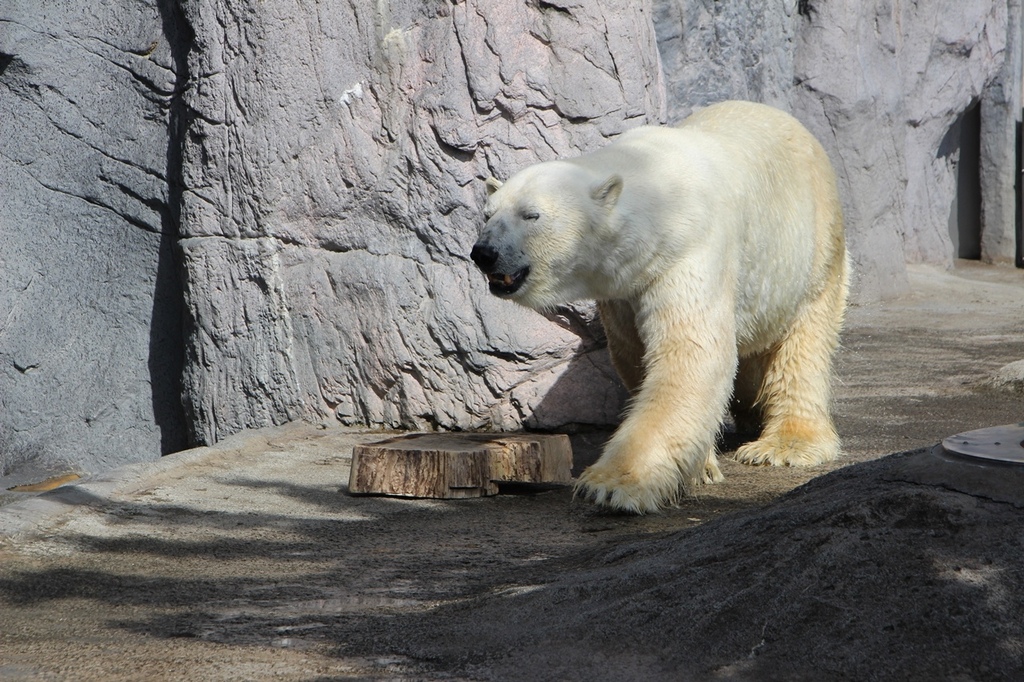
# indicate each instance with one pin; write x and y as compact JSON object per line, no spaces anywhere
{"x":531,"y":215}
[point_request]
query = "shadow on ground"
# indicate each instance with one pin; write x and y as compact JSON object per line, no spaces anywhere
{"x":853,"y":568}
{"x":249,"y":562}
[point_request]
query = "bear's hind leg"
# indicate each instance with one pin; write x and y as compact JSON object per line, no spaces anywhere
{"x":795,"y":394}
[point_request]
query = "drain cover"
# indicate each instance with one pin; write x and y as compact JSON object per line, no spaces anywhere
{"x":994,"y":444}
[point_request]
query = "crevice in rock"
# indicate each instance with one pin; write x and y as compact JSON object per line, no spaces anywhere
{"x":962,"y":147}
{"x":1018,"y":191}
{"x":99,"y":203}
{"x":99,"y":149}
{"x":148,"y":83}
{"x":457,"y":153}
{"x":552,"y":7}
{"x":168,"y":325}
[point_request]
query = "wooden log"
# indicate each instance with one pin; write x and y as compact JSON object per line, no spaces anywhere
{"x":458,"y":465}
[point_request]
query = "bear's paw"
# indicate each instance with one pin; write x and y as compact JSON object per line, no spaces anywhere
{"x":711,"y":473}
{"x":789,"y":449}
{"x":624,"y":491}
{"x":634,"y":491}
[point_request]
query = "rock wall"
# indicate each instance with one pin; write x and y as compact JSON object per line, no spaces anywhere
{"x":90,"y":305}
{"x":714,"y":50}
{"x":285,"y":193}
{"x":348,"y":196}
{"x":885,"y":86}
{"x":334,"y":172}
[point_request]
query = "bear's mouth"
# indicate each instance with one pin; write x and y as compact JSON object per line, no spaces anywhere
{"x":505,"y":285}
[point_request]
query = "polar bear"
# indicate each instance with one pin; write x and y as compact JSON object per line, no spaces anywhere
{"x":715,"y":251}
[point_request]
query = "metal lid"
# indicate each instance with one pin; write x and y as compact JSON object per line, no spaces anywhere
{"x":995,"y":444}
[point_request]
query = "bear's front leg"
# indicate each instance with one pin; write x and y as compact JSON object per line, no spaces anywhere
{"x":666,"y":444}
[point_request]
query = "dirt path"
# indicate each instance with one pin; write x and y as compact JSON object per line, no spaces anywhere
{"x":244,"y":561}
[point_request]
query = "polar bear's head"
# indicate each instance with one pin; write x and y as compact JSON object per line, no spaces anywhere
{"x":541,"y":242}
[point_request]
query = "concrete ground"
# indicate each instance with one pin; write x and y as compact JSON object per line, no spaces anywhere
{"x":248,"y":561}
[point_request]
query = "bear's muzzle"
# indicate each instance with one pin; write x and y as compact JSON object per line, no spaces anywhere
{"x":501,"y":283}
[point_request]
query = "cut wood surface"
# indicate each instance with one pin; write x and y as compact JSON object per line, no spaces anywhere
{"x":458,"y":465}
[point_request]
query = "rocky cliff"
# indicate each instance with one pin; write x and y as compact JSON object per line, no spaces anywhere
{"x":272,"y":203}
{"x":90,"y":304}
{"x":335,"y":171}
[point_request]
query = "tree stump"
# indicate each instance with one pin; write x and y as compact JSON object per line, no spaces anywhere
{"x":449,"y":465}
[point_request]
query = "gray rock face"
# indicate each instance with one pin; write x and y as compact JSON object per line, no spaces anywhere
{"x":315,"y":174}
{"x":333,"y":196}
{"x":362,"y":182}
{"x":715,"y":50}
{"x":896,"y":93}
{"x":887,"y":90}
{"x":90,"y":341}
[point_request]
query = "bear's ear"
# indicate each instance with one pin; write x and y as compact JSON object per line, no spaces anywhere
{"x":493,"y":185}
{"x":607,"y":193}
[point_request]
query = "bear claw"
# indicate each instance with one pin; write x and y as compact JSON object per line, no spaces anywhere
{"x":789,"y":452}
{"x":626,"y":492}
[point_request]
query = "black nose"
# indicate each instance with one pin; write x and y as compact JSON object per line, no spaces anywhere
{"x":484,"y":256}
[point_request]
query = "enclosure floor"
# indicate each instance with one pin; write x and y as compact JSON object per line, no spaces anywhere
{"x":248,"y":560}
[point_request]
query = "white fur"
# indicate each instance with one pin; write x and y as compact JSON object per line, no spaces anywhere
{"x":704,"y":244}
